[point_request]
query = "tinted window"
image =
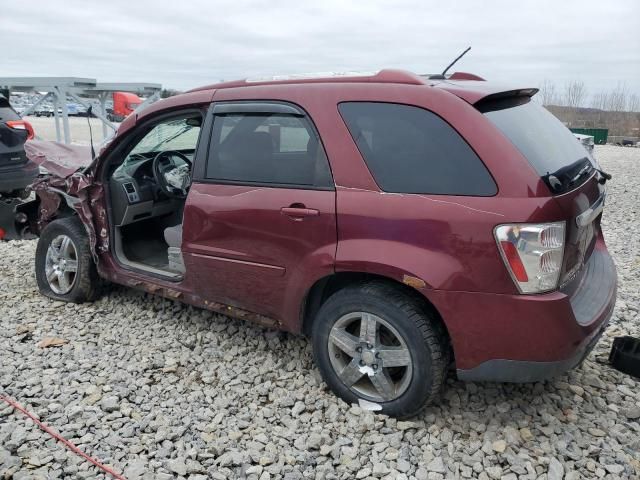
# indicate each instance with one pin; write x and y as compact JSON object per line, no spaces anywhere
{"x":275,"y":149}
{"x":541,"y":138}
{"x":411,"y":150}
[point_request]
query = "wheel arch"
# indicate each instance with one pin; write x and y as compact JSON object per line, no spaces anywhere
{"x":326,"y":286}
{"x":86,"y":285}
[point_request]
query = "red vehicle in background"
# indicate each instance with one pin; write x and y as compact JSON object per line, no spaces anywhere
{"x":124,"y":103}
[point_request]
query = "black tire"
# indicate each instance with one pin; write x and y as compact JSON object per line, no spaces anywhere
{"x":423,"y":336}
{"x":86,"y":284}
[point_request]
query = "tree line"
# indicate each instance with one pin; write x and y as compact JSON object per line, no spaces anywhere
{"x":617,"y":109}
{"x":574,"y":94}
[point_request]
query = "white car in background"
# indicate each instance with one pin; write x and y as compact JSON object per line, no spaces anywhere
{"x":586,"y":140}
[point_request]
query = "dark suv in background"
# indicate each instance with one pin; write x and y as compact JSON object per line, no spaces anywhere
{"x":15,"y":172}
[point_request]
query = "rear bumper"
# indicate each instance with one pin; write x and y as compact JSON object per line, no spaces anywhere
{"x":526,"y":338}
{"x":17,"y":177}
{"x":523,"y":371}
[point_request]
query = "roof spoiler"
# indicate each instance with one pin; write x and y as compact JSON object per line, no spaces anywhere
{"x":508,"y":98}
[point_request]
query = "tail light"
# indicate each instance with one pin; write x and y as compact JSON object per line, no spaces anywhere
{"x":533,"y":254}
{"x":22,"y":125}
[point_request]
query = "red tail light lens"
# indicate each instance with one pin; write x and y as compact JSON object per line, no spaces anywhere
{"x":22,"y":125}
{"x":513,"y":259}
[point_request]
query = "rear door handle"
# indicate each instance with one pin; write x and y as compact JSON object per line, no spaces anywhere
{"x":299,"y":213}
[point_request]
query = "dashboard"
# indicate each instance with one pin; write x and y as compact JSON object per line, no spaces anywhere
{"x":135,"y":194}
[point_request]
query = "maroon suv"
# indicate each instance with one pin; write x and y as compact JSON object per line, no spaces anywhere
{"x":404,"y":223}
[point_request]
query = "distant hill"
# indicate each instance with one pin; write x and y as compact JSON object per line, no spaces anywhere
{"x":618,"y":123}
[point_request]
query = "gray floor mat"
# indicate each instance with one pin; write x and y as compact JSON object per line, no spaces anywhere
{"x":149,"y":252}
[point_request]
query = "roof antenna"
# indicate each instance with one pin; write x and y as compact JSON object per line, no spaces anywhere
{"x":93,"y":152}
{"x":441,"y":76}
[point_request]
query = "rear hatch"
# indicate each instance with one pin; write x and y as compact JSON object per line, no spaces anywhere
{"x":11,"y":139}
{"x":563,"y":163}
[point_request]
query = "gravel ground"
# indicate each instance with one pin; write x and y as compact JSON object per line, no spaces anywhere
{"x":159,"y":390}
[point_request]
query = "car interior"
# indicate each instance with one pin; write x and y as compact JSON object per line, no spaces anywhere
{"x":148,"y":185}
{"x":150,"y":178}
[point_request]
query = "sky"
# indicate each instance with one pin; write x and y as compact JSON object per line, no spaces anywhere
{"x":188,"y":43}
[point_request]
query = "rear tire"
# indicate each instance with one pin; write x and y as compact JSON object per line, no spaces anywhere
{"x":65,"y":269}
{"x":401,"y":367}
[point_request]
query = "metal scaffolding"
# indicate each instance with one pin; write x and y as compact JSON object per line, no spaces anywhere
{"x":57,"y":89}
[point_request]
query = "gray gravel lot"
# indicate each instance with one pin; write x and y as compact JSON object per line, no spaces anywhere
{"x":160,"y":390}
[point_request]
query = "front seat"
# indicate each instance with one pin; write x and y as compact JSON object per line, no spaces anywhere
{"x":173,"y":236}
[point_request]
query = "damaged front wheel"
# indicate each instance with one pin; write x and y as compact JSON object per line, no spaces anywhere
{"x":64,"y":266}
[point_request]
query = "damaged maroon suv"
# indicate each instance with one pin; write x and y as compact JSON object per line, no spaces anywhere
{"x":406,"y":224}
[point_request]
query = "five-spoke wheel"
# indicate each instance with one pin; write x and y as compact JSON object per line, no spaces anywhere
{"x":380,"y":343}
{"x":370,"y":356}
{"x":65,"y":269}
{"x":61,"y":264}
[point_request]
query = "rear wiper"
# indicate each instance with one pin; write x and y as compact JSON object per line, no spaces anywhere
{"x":583,"y":170}
{"x":565,"y":177}
{"x":604,"y":176}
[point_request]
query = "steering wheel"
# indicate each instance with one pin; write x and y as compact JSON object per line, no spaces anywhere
{"x":173,"y":179}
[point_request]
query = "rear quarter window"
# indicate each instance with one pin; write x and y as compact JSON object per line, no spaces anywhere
{"x":411,"y":150}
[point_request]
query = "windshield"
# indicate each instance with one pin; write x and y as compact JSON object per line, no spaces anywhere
{"x":549,"y":146}
{"x":173,"y":135}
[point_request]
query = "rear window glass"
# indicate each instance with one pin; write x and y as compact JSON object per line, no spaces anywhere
{"x":411,"y":150}
{"x":547,"y":144}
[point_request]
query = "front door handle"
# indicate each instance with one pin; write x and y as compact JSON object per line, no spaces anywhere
{"x":298,"y":213}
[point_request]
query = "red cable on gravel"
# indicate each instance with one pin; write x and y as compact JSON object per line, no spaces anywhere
{"x":61,"y":439}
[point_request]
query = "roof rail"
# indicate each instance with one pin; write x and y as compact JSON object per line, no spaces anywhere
{"x":390,"y":75}
{"x":465,"y":76}
{"x":382,"y":76}
{"x":453,"y":76}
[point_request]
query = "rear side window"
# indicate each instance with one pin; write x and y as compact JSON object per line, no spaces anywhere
{"x":267,"y":149}
{"x":411,"y":150}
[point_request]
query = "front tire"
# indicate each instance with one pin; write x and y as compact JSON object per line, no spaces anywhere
{"x":65,"y":269}
{"x":374,"y":342}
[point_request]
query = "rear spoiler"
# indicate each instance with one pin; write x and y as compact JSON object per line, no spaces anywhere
{"x":474,"y":91}
{"x":506,"y":99}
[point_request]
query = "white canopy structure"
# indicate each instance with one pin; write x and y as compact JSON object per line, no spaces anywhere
{"x":57,"y":89}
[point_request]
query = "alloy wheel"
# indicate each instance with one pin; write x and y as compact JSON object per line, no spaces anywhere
{"x":370,"y":357}
{"x":61,"y":264}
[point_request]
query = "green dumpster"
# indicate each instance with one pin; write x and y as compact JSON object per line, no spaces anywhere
{"x":599,"y":134}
